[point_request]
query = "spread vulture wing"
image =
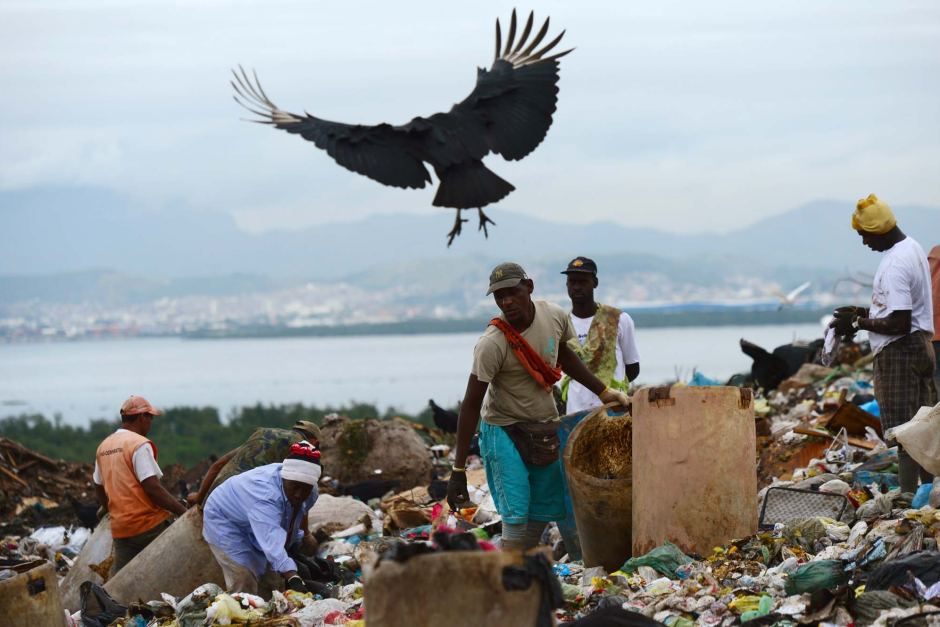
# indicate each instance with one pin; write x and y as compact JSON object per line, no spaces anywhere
{"x":508,"y":112}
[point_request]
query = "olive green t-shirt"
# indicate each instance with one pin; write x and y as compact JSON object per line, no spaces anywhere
{"x":513,"y":395}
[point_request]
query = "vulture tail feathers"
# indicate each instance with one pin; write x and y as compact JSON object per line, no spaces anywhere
{"x":470,"y":185}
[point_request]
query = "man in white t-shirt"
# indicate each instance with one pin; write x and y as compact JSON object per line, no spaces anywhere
{"x":127,"y":483}
{"x":899,"y":324}
{"x":605,"y":338}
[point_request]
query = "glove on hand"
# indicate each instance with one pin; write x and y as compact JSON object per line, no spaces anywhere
{"x":843,"y":319}
{"x":457,"y":494}
{"x":297,"y":584}
{"x":610,"y":395}
{"x":849,"y":313}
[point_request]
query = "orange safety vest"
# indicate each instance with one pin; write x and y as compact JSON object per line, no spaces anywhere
{"x":132,"y":511}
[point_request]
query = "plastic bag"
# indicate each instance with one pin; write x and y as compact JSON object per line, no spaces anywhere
{"x":877,"y":507}
{"x":921,"y":496}
{"x":615,"y":617}
{"x":934,"y":499}
{"x":818,"y":575}
{"x":872,"y":408}
{"x":98,"y":608}
{"x":191,"y":611}
{"x":763,"y":609}
{"x":869,"y":605}
{"x":665,"y":559}
{"x":805,"y":532}
{"x":920,"y":437}
{"x":924,"y":566}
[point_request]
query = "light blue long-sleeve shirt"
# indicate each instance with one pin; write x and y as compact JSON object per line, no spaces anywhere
{"x":248,"y":517}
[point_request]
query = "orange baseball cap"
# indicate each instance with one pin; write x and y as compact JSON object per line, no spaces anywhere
{"x":139,"y":405}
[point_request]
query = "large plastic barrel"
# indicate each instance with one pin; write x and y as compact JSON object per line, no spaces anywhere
{"x":96,"y":551}
{"x":598,"y":466}
{"x":448,"y":588}
{"x":177,"y":562}
{"x":695,"y":467}
{"x":31,"y":598}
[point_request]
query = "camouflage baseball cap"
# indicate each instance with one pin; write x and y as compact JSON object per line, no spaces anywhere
{"x":506,"y":274}
{"x":310,"y":429}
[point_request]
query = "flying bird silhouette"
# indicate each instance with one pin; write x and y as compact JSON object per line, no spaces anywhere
{"x":790,"y":297}
{"x":508,"y":112}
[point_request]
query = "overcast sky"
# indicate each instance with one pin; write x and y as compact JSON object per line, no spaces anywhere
{"x":678,"y":115}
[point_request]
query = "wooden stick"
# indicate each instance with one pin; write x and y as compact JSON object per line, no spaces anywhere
{"x":857,"y":442}
{"x":19,"y":448}
{"x":63,"y":480}
{"x":28,"y":464}
{"x":13,"y":476}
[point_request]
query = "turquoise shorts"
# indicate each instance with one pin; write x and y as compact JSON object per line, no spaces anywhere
{"x":521,"y":492}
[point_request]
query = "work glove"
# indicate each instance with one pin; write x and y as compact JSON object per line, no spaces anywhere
{"x":297,"y":584}
{"x":457,"y":494}
{"x":843,"y":320}
{"x":849,"y":312}
{"x":610,"y":395}
{"x":313,"y":568}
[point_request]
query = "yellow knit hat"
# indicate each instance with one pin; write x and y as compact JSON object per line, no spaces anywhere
{"x":873,"y":216}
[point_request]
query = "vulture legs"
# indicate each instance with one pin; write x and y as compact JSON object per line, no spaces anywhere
{"x":483,"y":220}
{"x":458,"y":225}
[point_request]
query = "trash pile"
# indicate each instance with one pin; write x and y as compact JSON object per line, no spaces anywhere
{"x":38,"y":491}
{"x":210,"y":605}
{"x":838,"y":543}
{"x":59,"y":545}
{"x":809,"y":572}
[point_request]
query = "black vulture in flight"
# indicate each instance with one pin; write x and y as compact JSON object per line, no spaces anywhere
{"x":508,"y":112}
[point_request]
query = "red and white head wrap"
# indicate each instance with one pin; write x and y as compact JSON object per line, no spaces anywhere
{"x":302,"y":464}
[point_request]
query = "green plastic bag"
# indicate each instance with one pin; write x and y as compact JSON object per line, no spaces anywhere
{"x":819,"y":575}
{"x":763,"y":609}
{"x":664,"y":559}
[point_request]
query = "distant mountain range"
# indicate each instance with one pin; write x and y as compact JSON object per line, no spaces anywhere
{"x":87,"y":241}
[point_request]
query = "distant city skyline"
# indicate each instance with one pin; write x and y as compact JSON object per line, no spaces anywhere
{"x":681,"y":116}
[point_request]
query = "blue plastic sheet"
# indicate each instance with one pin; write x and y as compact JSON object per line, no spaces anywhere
{"x":888,"y":480}
{"x":871,"y":407}
{"x":701,"y":380}
{"x":922,"y":496}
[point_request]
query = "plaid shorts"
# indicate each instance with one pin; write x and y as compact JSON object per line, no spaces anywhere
{"x":904,"y":378}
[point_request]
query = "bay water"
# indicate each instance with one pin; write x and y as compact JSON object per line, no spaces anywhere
{"x":84,"y":380}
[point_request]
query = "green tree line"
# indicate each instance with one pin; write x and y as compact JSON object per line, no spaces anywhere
{"x":184,"y":435}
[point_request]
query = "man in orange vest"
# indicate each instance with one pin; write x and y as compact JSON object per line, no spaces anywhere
{"x":127,"y":482}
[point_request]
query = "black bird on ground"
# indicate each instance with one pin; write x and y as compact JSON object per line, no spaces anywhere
{"x":445,"y":419}
{"x":87,"y":513}
{"x":370,"y":489}
{"x":770,"y":369}
{"x":508,"y":112}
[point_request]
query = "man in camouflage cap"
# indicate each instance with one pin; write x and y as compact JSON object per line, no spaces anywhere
{"x":516,"y":362}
